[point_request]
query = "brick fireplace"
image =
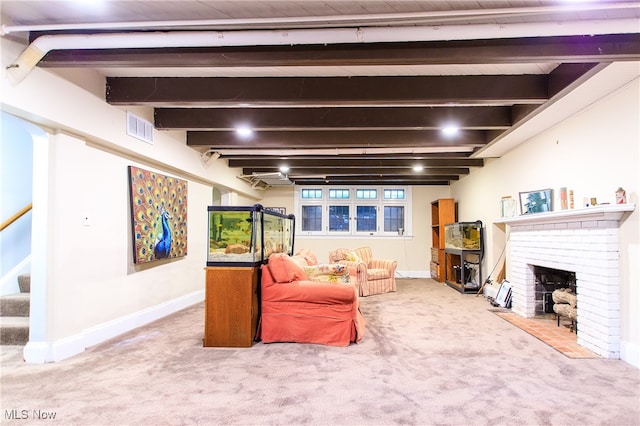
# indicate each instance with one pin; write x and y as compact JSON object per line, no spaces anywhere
{"x":583,"y":241}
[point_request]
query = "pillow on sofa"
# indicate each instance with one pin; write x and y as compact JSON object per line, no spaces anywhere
{"x":284,"y":269}
{"x":331,"y":273}
{"x":327,"y":269}
{"x":308,"y":256}
{"x":344,"y":279}
{"x":351,"y":256}
{"x":300,"y":261}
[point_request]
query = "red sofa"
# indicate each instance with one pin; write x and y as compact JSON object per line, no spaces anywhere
{"x":297,"y":309}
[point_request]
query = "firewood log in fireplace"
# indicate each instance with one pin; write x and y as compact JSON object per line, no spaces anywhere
{"x":564,"y":310}
{"x":565,"y":302}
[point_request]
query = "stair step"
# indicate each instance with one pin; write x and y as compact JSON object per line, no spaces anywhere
{"x":15,"y":305}
{"x":24,"y":282}
{"x":14,"y":330}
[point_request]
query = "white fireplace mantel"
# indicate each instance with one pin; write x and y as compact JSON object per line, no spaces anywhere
{"x":612,"y":212}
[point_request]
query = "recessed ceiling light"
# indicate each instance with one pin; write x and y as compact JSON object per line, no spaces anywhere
{"x":450,"y":130}
{"x":418,"y":168}
{"x":284,"y":169}
{"x":244,"y":132}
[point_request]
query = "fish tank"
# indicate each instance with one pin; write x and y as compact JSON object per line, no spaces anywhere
{"x":463,"y":236}
{"x":247,"y":235}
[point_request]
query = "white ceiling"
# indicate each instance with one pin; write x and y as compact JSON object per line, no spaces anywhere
{"x":245,"y":13}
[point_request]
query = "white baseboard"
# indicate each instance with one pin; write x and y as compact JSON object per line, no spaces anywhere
{"x":36,"y":352}
{"x":630,"y":353}
{"x":413,"y":274}
{"x":54,"y":351}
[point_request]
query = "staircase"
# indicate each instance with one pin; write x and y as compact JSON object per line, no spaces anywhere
{"x":14,"y":314}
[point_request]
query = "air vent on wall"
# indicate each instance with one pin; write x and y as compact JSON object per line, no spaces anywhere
{"x":139,"y":128}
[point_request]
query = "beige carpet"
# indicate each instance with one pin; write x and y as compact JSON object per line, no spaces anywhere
{"x":431,"y":357}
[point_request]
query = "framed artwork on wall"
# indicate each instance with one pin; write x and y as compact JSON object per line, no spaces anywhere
{"x":158,"y":215}
{"x":539,"y":201}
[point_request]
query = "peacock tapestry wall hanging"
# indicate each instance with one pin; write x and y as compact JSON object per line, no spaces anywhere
{"x":158,"y":215}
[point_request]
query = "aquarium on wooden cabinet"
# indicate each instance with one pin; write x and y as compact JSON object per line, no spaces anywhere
{"x":247,"y":235}
{"x":463,"y":235}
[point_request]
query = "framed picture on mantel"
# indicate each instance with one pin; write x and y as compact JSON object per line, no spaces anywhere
{"x":536,"y":201}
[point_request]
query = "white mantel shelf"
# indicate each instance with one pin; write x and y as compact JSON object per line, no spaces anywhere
{"x":602,"y":212}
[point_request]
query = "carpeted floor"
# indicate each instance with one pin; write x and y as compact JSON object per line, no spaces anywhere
{"x":431,"y":357}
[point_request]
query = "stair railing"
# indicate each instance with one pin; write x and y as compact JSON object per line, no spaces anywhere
{"x":16,"y":216}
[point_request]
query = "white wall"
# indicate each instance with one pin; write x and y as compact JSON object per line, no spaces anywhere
{"x":593,"y":152}
{"x":91,"y":278}
{"x":85,"y":287}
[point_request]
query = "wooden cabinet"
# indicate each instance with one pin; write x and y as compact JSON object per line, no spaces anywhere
{"x":231,"y":306}
{"x":443,"y":212}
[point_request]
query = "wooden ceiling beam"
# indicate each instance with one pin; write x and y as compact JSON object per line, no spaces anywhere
{"x":305,"y":155}
{"x":595,"y":48}
{"x":336,"y":139}
{"x":370,"y":171}
{"x":399,"y":118}
{"x":232,"y":155}
{"x":354,"y":162}
{"x":371,"y":181}
{"x":242,"y":92}
{"x":565,"y":75}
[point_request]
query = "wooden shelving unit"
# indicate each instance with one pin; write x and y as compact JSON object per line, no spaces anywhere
{"x":443,"y":212}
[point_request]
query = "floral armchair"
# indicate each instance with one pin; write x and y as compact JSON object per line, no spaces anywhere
{"x":373,"y":276}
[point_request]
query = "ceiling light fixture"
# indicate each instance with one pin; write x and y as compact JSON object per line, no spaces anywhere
{"x":284,"y":169}
{"x":244,"y":132}
{"x":418,"y":168}
{"x":450,"y":130}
